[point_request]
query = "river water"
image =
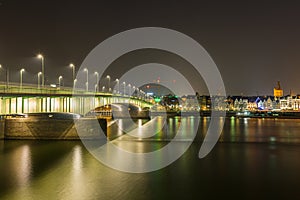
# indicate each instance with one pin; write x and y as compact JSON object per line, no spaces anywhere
{"x":254,"y":159}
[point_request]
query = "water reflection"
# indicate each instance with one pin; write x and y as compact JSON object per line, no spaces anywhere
{"x":261,"y":130}
{"x":77,"y":178}
{"x":20,"y":161}
{"x":77,"y":159}
{"x":65,"y":170}
{"x":136,"y":153}
{"x":235,"y":130}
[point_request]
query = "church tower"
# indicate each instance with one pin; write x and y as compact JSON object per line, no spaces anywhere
{"x":278,"y":92}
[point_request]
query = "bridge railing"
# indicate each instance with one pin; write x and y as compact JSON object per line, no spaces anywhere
{"x":32,"y":89}
{"x":16,"y":89}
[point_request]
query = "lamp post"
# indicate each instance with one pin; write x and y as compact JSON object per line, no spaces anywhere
{"x":59,"y":80}
{"x":74,"y":82}
{"x":1,"y":66}
{"x":40,"y":56}
{"x":133,"y":88}
{"x":137,"y":92}
{"x":21,"y":77}
{"x":103,"y":88}
{"x":7,"y":74}
{"x":143,"y":95}
{"x":118,"y":84}
{"x":97,"y":81}
{"x":39,"y":74}
{"x":73,"y":70}
{"x":129,"y":89}
{"x":108,"y":77}
{"x":87,"y":78}
{"x":124,"y":83}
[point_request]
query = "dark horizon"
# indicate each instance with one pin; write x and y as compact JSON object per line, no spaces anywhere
{"x":253,"y":44}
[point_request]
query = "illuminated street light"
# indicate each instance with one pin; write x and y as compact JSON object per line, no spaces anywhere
{"x":118,"y":84}
{"x":74,"y":82}
{"x":87,"y":78}
{"x":103,"y":88}
{"x":21,"y":77}
{"x":142,"y":94}
{"x":59,"y":80}
{"x":133,"y":87}
{"x":129,"y":89}
{"x":137,"y":92}
{"x":73,"y":70}
{"x":124,"y":83}
{"x":39,"y":80}
{"x":97,"y":81}
{"x":40,"y":56}
{"x":7,"y":74}
{"x":108,"y":77}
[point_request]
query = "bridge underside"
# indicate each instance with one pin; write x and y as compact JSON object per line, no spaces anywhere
{"x":74,"y":104}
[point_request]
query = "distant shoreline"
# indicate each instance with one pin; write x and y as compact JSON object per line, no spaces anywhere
{"x":240,"y":114}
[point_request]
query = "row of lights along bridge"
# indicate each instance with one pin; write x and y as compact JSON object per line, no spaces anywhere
{"x":41,"y":80}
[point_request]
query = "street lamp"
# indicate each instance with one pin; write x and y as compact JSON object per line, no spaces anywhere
{"x":118,"y":84}
{"x":129,"y":89}
{"x":21,"y":77}
{"x":40,"y":56}
{"x":143,"y":94}
{"x":124,"y":83}
{"x":73,"y":70}
{"x":108,"y":77}
{"x":137,"y":92}
{"x":97,"y":81}
{"x":1,"y":66}
{"x":39,"y":74}
{"x":74,"y":82}
{"x":103,"y":88}
{"x":7,"y":74}
{"x":59,"y":81}
{"x":133,"y":87}
{"x":87,"y":78}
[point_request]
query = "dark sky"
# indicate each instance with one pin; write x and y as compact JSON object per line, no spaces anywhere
{"x":253,"y":43}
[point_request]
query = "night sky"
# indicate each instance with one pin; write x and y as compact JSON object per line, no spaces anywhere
{"x":254,"y":44}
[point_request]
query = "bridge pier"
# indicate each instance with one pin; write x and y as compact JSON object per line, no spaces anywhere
{"x":51,"y":128}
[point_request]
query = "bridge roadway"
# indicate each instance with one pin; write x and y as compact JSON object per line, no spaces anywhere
{"x":30,"y":99}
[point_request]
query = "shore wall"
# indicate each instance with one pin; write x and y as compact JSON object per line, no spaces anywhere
{"x":56,"y":129}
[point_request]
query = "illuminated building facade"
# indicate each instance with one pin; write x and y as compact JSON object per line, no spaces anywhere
{"x":278,"y":91}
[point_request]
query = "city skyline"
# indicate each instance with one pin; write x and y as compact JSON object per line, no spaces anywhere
{"x":254,"y":45}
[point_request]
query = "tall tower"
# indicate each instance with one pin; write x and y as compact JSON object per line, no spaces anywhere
{"x":278,"y":91}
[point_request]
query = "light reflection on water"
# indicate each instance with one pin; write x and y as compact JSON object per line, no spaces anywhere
{"x":21,"y":163}
{"x":261,"y":130}
{"x":255,"y":155}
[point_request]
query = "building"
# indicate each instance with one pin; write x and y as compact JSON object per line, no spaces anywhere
{"x":278,"y":91}
{"x":290,"y":103}
{"x":190,"y":102}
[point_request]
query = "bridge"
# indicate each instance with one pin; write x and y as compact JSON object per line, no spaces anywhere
{"x":30,"y":99}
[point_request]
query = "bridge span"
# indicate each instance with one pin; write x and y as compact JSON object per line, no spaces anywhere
{"x":30,"y":99}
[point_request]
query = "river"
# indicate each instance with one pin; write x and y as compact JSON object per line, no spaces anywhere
{"x":254,"y":159}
